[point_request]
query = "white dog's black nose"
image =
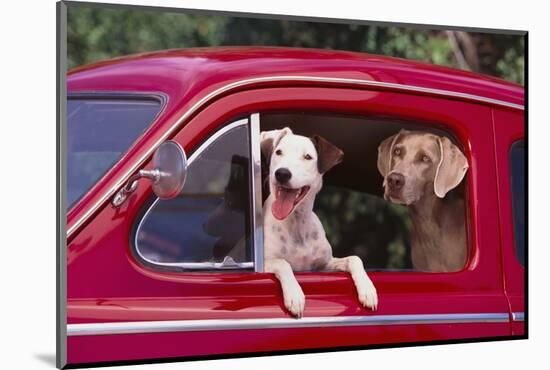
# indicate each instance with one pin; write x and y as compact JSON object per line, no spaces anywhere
{"x":283,"y":175}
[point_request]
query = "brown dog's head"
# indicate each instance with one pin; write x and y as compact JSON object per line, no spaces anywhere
{"x":415,"y":164}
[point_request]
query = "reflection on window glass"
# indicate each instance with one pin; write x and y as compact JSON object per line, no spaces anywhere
{"x":99,"y":132}
{"x":518,"y":197}
{"x":209,"y":220}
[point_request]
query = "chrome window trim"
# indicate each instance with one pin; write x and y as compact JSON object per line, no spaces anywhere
{"x":251,"y":81}
{"x":196,"y":265}
{"x":256,"y":190}
{"x":518,"y":316}
{"x":279,"y":323}
{"x":162,"y":98}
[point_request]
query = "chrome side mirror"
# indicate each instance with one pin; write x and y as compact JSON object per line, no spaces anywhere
{"x":168,"y":174}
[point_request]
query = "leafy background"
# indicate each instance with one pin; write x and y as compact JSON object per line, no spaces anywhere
{"x":96,"y":33}
{"x":354,"y":221}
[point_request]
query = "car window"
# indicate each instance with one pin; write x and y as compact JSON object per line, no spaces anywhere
{"x":208,"y":225}
{"x":517,"y":171}
{"x":99,"y":132}
{"x":356,"y":216}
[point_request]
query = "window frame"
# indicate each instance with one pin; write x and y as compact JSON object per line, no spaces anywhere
{"x":255,"y":206}
{"x":466,"y":206}
{"x":256,"y":211}
{"x":161,"y":98}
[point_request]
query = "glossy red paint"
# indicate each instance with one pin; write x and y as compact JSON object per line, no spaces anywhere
{"x":107,"y":284}
{"x":509,"y":128}
{"x":167,"y":345}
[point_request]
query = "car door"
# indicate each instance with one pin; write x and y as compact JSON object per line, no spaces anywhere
{"x":127,"y":300}
{"x":510,"y":148}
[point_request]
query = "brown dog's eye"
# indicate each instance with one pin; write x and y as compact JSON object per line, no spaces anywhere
{"x":308,"y":157}
{"x":278,"y":152}
{"x":397,"y":151}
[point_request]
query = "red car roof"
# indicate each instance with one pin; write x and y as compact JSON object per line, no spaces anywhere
{"x":185,"y":72}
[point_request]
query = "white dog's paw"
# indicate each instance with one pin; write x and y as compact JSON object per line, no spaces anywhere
{"x":367,"y":295}
{"x":295,"y":301}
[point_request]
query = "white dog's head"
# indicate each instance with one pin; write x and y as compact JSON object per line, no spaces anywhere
{"x":297,"y":164}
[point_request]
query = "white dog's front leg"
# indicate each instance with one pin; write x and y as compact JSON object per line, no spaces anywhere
{"x":293,"y":295}
{"x":365,"y":288}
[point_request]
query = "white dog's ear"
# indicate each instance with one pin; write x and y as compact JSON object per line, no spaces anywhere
{"x":451,"y":169}
{"x":385,"y":151}
{"x":270,"y":139}
{"x":328,"y":154}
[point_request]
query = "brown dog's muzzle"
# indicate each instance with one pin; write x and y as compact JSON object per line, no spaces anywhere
{"x":395,"y":183}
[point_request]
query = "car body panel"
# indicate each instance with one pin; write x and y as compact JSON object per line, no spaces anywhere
{"x":509,"y":129}
{"x":180,"y":344}
{"x":106,"y":284}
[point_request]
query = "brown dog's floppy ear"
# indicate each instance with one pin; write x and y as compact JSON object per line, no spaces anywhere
{"x":328,"y":154}
{"x":270,"y":139}
{"x":451,"y":169}
{"x":385,"y":151}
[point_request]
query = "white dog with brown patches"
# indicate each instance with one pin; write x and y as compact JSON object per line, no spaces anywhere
{"x":294,"y":238}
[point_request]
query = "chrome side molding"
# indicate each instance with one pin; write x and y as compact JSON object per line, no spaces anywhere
{"x":518,"y":316}
{"x":111,"y":328}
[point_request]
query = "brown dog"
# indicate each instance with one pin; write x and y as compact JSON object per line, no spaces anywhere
{"x":419,"y":169}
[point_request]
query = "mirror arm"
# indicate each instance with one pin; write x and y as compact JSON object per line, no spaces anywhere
{"x":132,"y":183}
{"x":153,"y":175}
{"x":167,"y":176}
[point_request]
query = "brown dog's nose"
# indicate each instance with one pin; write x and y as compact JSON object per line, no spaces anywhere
{"x":396,"y":181}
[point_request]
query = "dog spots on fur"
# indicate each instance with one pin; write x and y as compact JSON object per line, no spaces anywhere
{"x":315,"y":235}
{"x":278,"y":228}
{"x":283,"y":239}
{"x":283,"y":249}
{"x":297,"y":238}
{"x":307,"y":236}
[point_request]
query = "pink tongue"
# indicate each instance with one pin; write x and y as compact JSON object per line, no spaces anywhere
{"x":284,"y":203}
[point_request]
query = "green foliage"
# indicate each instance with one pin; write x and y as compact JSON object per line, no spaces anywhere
{"x":365,"y":225}
{"x":97,"y":33}
{"x":102,"y":33}
{"x":511,"y":64}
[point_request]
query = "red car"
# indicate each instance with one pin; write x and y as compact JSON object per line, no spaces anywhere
{"x":149,"y":277}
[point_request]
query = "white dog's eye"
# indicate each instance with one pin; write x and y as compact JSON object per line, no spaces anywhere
{"x":279,"y":152}
{"x":396,"y":151}
{"x":426,"y":159}
{"x":308,"y":157}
